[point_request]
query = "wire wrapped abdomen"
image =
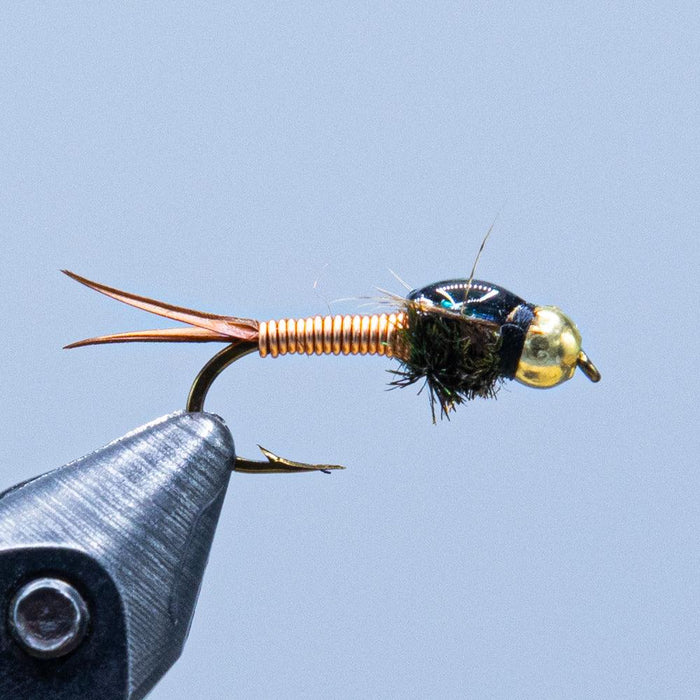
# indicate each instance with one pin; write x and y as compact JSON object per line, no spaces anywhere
{"x":359,"y":334}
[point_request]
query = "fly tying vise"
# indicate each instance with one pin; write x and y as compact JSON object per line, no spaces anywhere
{"x":462,"y":337}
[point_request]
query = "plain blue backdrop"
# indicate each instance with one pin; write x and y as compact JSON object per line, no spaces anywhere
{"x":265,"y":159}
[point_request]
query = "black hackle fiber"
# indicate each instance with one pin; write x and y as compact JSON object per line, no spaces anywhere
{"x":456,"y":356}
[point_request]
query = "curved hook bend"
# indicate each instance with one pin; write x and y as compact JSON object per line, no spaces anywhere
{"x":195,"y":404}
{"x":213,"y":368}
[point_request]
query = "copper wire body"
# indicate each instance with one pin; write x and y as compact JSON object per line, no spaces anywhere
{"x":359,"y":334}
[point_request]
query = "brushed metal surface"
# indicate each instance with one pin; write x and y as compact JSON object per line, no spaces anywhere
{"x":145,"y":507}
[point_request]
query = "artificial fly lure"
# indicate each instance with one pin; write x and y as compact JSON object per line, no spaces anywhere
{"x":463,"y":338}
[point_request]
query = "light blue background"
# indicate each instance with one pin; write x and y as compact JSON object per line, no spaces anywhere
{"x":226,"y":156}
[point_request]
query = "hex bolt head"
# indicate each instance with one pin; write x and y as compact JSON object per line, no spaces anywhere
{"x":48,"y":617}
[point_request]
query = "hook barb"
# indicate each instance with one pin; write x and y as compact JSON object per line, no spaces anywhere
{"x":195,"y":404}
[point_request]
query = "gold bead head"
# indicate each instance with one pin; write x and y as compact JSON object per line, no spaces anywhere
{"x":552,"y":351}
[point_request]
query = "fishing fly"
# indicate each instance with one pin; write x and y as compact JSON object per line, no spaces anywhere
{"x":462,"y":338}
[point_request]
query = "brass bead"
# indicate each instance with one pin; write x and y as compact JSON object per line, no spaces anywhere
{"x":551,"y":349}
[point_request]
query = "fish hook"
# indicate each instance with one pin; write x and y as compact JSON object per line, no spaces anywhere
{"x":195,"y":404}
{"x":461,"y":337}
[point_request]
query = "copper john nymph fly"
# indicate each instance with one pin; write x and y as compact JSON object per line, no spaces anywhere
{"x":462,"y":338}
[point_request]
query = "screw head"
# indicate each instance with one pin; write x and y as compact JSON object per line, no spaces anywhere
{"x":48,"y":617}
